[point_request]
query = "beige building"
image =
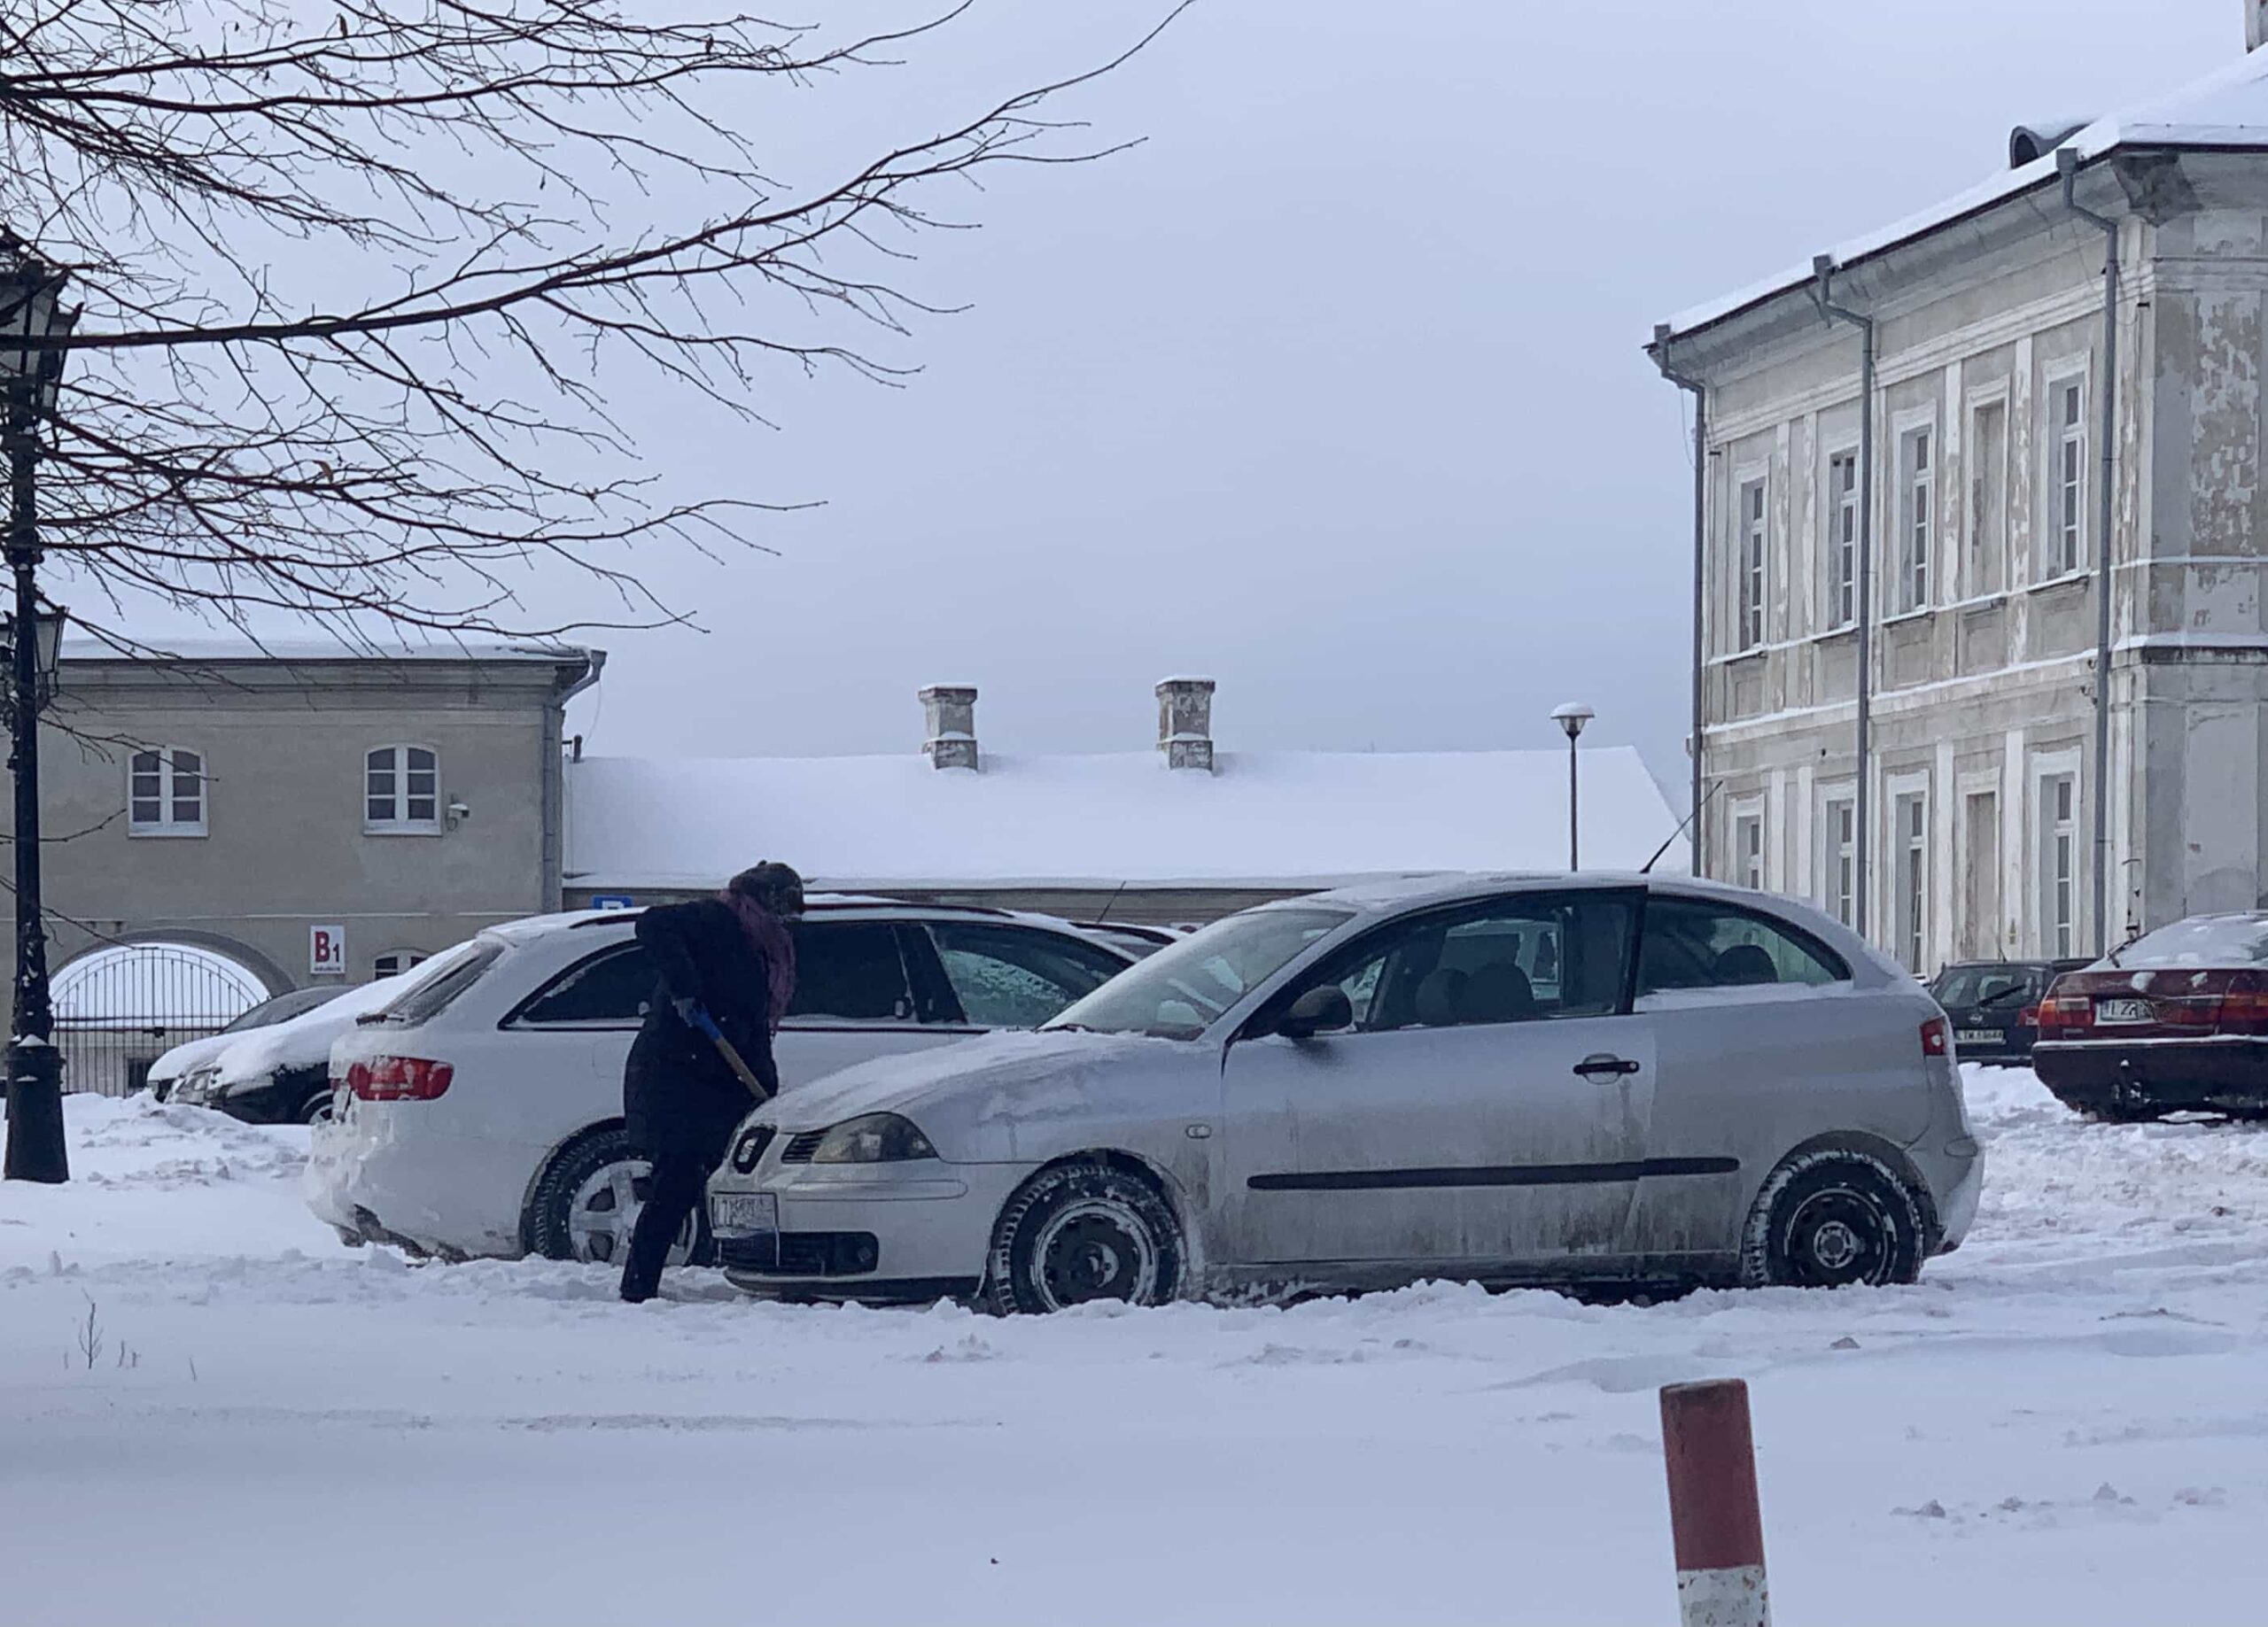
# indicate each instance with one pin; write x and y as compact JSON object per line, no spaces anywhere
{"x":301,"y":814}
{"x":2045,"y":435}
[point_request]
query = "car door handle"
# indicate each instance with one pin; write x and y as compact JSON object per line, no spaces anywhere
{"x":1605,"y":1065}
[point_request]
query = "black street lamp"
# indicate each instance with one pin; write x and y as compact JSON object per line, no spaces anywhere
{"x":31,"y":315}
{"x":1572,"y":717}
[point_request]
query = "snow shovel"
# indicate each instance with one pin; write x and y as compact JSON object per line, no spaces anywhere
{"x":725,"y":1049}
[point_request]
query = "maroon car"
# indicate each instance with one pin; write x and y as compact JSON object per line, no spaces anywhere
{"x":2176,"y":1019}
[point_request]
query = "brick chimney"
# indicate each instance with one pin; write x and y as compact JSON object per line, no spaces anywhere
{"x":948,"y":714}
{"x":1185,"y":721}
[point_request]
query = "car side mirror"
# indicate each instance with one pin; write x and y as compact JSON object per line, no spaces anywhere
{"x":1319,"y":1011}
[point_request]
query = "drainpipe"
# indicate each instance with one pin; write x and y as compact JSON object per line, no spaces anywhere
{"x":2067,"y":166}
{"x":554,"y":783}
{"x":1823,"y":267}
{"x":1700,"y":553}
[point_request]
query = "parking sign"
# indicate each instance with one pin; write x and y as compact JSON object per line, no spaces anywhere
{"x":327,"y":951}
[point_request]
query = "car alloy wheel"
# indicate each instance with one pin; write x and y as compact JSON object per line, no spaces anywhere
{"x":603,"y":1211}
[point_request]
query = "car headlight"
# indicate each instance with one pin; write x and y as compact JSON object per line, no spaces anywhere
{"x":876,"y":1138}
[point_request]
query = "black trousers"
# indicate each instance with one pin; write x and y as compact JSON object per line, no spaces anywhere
{"x":673,"y":1191}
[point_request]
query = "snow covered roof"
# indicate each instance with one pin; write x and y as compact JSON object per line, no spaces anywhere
{"x":1260,"y":819}
{"x":2226,"y":109}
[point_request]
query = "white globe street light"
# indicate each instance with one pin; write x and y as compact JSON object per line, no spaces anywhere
{"x":1572,"y":716}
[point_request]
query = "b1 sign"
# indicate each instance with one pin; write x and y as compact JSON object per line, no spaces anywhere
{"x":327,"y":951}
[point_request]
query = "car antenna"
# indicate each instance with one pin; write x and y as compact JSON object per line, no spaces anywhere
{"x":1111,"y":904}
{"x":1648,"y":868}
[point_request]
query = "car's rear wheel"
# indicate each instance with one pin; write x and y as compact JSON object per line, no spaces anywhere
{"x":586,"y":1204}
{"x":315,"y":1109}
{"x":1831,"y":1218}
{"x":1079,"y":1232}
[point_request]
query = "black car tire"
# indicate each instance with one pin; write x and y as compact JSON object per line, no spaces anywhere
{"x":315,"y":1109}
{"x":549,"y":1224}
{"x":1830,"y":1218}
{"x":1081,"y":1231}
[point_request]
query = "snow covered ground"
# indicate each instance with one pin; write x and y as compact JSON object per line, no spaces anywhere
{"x":2067,"y":1422}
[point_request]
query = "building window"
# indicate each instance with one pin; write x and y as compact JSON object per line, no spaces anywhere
{"x":1751,"y":587}
{"x":1916,"y":521}
{"x":1988,"y":498}
{"x":394,"y":963}
{"x":1913,"y":853}
{"x":165,"y":794}
{"x":1842,"y":540}
{"x":401,"y":789}
{"x":1748,"y":851}
{"x":1839,"y":868}
{"x":2068,"y":480}
{"x":2059,"y":854}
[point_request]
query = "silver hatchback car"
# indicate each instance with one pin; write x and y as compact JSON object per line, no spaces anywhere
{"x":1504,"y":1079}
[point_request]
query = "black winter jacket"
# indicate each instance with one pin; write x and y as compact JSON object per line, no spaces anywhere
{"x":677,"y":1095}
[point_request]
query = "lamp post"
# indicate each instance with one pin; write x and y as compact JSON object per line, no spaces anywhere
{"x":1572,"y":717}
{"x":31,"y":315}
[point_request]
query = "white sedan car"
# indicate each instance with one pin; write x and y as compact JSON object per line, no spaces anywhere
{"x":480,"y":1112}
{"x":1502,"y":1078}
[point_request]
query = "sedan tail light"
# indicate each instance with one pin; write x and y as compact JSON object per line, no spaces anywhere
{"x":2063,"y":1014}
{"x":1937,"y":1037}
{"x":399,"y":1078}
{"x":2244,"y":1005}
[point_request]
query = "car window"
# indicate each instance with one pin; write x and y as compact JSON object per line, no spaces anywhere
{"x":1986,"y":986}
{"x":427,"y":998}
{"x":1519,"y":960}
{"x":611,"y":987}
{"x":1013,"y":977}
{"x":2202,"y":940}
{"x":282,"y":1008}
{"x":1698,"y":943}
{"x":848,"y":972}
{"x":1181,"y":990}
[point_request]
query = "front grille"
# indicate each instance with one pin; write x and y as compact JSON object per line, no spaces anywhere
{"x":800,"y":1147}
{"x":801,"y":1254}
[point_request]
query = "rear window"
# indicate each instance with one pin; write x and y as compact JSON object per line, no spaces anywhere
{"x":2208,"y":940}
{"x":430,"y":998}
{"x":1987,"y":986}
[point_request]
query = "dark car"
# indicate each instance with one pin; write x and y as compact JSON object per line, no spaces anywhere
{"x":2176,"y":1019}
{"x":1994,"y":1005}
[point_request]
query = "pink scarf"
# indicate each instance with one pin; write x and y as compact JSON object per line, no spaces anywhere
{"x":774,"y":941}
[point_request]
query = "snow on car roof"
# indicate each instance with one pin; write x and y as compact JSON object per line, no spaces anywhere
{"x":1262,"y":819}
{"x":2227,"y":108}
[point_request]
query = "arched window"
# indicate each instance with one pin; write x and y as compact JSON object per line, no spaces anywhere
{"x":401,"y":790}
{"x":164,"y":792}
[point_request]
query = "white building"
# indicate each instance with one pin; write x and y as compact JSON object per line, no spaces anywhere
{"x":1181,"y":832}
{"x":1926,"y":741}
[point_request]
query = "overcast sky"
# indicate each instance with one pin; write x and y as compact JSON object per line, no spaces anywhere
{"x":1332,"y":390}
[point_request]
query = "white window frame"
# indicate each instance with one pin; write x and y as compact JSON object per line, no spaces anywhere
{"x":1909,"y":871}
{"x":1753,"y":561}
{"x":2055,"y":853}
{"x":1915,"y":555}
{"x":1748,"y":843}
{"x":403,"y":960}
{"x":1985,"y":559}
{"x":2064,"y":538}
{"x":399,"y":767}
{"x":169,"y":774}
{"x":1840,"y":528}
{"x":1838,"y":852}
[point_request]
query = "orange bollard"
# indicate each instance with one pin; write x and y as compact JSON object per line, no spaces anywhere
{"x":1715,"y":1523}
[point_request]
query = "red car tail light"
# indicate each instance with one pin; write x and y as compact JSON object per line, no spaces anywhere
{"x":2062,"y":1013}
{"x":2028,"y":1017}
{"x":1937,"y":1037}
{"x":2244,"y":1005}
{"x":399,"y":1078}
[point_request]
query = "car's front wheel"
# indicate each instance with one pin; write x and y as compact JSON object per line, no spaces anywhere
{"x":1831,"y":1218}
{"x":1079,"y":1232}
{"x":586,"y":1204}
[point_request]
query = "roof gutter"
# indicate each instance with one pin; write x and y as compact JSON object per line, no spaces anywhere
{"x":2067,"y":166}
{"x":1823,"y":267}
{"x":1659,"y":351}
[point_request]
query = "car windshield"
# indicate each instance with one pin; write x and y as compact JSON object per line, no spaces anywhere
{"x":2207,"y":940}
{"x":267,"y":1013}
{"x":1183,"y":989}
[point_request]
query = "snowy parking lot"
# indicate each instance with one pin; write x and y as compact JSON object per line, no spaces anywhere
{"x":213,"y":1412}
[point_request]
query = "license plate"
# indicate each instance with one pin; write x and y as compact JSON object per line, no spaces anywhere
{"x":736,"y":1214}
{"x":1978,"y":1036}
{"x":2123,"y":1012}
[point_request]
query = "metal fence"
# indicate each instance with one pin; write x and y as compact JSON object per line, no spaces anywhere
{"x":119,"y":1010}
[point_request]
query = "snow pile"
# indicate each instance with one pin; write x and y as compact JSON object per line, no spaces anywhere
{"x":2064,"y":1421}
